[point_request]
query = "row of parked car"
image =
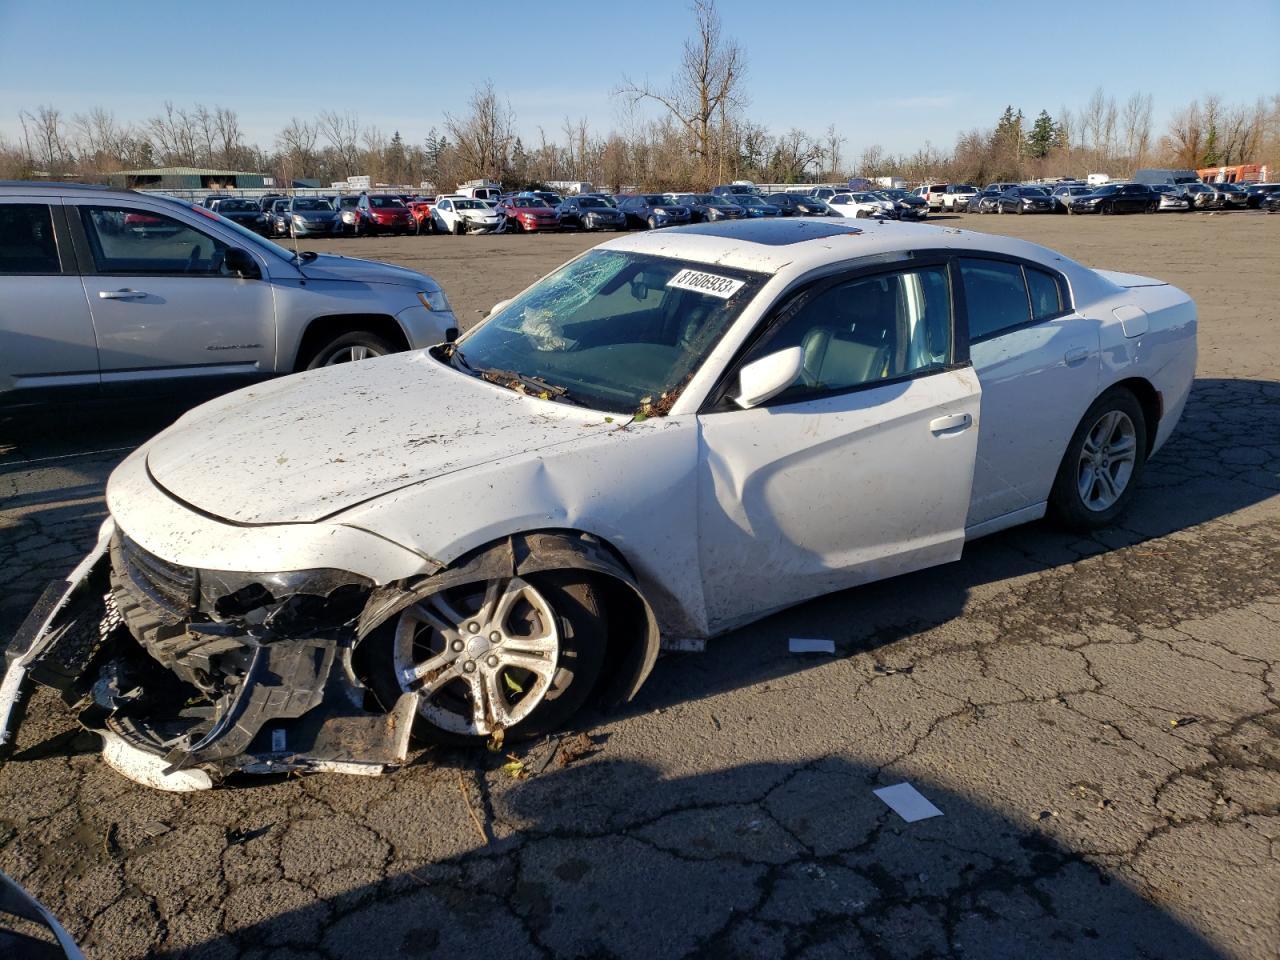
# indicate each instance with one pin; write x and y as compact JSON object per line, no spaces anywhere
{"x":531,"y":211}
{"x":1074,"y":196}
{"x":539,"y":210}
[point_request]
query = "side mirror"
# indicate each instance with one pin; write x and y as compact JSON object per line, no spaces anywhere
{"x":764,"y":379}
{"x":240,"y":263}
{"x":500,"y":305}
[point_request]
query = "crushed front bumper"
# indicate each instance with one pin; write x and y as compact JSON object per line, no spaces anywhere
{"x":290,"y":703}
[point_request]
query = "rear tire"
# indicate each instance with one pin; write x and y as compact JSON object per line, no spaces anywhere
{"x":356,"y":345}
{"x":1067,"y":503}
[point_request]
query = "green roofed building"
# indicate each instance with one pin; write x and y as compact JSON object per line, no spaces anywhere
{"x":186,"y":178}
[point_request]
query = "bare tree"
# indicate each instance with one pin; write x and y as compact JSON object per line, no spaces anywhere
{"x":342,"y":131}
{"x":871,"y":161}
{"x":483,"y":138}
{"x":296,"y":143}
{"x":1136,"y":128}
{"x":707,"y":85}
{"x":174,"y":136}
{"x":230,"y":139}
{"x":1185,"y":140}
{"x":831,"y":149}
{"x":45,"y":138}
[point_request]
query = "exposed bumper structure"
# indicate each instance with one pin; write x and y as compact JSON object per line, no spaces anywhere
{"x":190,"y":697}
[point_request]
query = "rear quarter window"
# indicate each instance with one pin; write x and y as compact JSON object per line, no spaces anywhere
{"x":27,"y":244}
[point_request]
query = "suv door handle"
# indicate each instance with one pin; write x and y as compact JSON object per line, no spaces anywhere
{"x":1076,"y":355}
{"x":955,"y":423}
{"x":121,"y":294}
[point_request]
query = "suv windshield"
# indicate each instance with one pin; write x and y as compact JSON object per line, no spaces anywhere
{"x":247,"y":235}
{"x":611,"y":330}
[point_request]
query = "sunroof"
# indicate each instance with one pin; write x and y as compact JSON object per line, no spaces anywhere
{"x":774,"y":233}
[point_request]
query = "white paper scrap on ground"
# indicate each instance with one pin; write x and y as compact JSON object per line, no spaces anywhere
{"x":907,"y":802}
{"x":799,"y":645}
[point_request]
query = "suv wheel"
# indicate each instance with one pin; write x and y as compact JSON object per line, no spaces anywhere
{"x":356,"y":345}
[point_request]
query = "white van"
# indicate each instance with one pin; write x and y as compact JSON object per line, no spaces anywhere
{"x":480,"y":189}
{"x":932,"y":194}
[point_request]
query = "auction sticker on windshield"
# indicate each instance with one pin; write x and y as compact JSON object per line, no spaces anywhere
{"x":699,"y":282}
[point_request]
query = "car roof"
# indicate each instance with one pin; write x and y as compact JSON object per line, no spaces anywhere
{"x":800,"y":245}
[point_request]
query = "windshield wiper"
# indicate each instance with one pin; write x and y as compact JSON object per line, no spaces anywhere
{"x":525,"y":383}
{"x":456,"y":354}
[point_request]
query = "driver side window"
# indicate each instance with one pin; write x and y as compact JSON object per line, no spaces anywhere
{"x":864,"y":331}
{"x":124,"y":240}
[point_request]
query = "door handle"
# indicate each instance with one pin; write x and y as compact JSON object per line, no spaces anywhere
{"x":1076,"y":355}
{"x":121,"y":294}
{"x":955,"y":423}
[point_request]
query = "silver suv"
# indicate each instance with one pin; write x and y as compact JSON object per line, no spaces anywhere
{"x":106,"y":292}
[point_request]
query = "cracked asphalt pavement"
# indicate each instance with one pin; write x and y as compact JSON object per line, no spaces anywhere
{"x":1097,"y":719}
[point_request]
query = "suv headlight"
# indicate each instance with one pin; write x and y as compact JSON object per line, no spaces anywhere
{"x":434,"y":300}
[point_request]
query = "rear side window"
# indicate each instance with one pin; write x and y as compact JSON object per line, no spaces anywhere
{"x":27,"y":245}
{"x":995,"y":296}
{"x":1046,"y":294}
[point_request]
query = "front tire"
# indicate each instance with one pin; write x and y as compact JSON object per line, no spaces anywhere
{"x":356,"y":345}
{"x":520,"y":655}
{"x":1103,"y":463}
{"x":653,"y":223}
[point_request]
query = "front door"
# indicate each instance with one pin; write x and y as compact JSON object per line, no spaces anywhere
{"x":165,"y":306}
{"x":862,"y":469}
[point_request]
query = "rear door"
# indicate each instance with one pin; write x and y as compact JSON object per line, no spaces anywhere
{"x":862,"y":469}
{"x":47,"y":342}
{"x":1038,"y":361}
{"x":164,"y":305}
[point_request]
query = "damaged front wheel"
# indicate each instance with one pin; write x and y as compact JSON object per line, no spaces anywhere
{"x":517,"y":655}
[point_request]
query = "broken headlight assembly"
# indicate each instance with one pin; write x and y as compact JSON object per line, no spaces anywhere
{"x":191,"y":675}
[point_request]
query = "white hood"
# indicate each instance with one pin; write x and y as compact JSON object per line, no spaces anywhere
{"x":307,"y":446}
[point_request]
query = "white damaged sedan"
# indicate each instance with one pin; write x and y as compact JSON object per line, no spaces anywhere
{"x":674,"y":434}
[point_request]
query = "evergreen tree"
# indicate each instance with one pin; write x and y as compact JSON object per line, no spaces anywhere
{"x":1041,"y":137}
{"x":1211,"y":157}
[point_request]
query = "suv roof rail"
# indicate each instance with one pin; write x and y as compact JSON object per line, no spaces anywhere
{"x":60,"y":184}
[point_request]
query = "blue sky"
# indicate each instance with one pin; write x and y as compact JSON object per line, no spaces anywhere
{"x":881,"y":76}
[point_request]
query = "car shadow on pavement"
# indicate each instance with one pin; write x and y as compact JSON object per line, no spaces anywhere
{"x":1223,"y":457}
{"x":615,"y":859}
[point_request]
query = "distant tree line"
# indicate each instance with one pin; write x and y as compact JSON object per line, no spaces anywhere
{"x":693,"y":132}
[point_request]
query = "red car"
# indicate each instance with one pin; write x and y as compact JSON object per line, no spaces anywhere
{"x":420,"y":208}
{"x":383,"y":213}
{"x":529,"y":213}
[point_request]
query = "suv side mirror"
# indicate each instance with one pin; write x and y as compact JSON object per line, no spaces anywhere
{"x":763,"y":379}
{"x":240,"y":263}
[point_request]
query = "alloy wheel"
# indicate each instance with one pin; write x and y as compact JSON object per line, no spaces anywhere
{"x":479,"y":660}
{"x":356,"y":351}
{"x":1107,"y":459}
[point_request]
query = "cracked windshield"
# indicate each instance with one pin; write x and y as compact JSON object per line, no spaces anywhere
{"x":611,"y":330}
